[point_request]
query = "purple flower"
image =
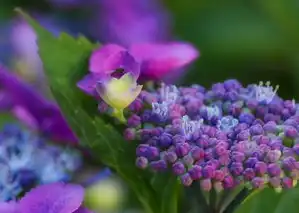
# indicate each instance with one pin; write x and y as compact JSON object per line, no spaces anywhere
{"x":152,"y":61}
{"x":50,"y":198}
{"x":33,"y":109}
{"x":128,"y":22}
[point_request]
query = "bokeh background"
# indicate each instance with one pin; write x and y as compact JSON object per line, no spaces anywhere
{"x":251,"y":41}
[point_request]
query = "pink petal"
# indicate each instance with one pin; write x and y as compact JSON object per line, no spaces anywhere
{"x":9,"y":207}
{"x":53,"y":198}
{"x":161,"y":59}
{"x":99,"y":60}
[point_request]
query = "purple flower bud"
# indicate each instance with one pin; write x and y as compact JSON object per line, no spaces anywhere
{"x":171,"y":157}
{"x":220,"y":135}
{"x":197,"y":153}
{"x":182,"y":149}
{"x":188,"y":160}
{"x":209,"y":154}
{"x":153,"y":153}
{"x":186,"y":179}
{"x":219,"y":175}
{"x":220,"y":150}
{"x":258,"y":183}
{"x":130,"y":134}
{"x":250,"y":162}
{"x":202,"y":142}
{"x":238,"y":156}
{"x":142,"y":150}
{"x":252,"y":104}
{"x":134,"y":121}
{"x":159,"y":165}
{"x":208,"y":172}
{"x":288,"y":152}
{"x":224,"y":159}
{"x":236,"y":168}
{"x":287,"y":183}
{"x":136,"y":105}
{"x":206,"y":185}
{"x":243,"y":135}
{"x":296,"y":149}
{"x":275,"y":182}
{"x":270,"y":127}
{"x":228,"y":182}
{"x":246,"y":117}
{"x":260,"y":168}
{"x":256,"y":130}
{"x":195,"y":172}
{"x":290,"y":132}
{"x":285,"y":113}
{"x":178,"y":168}
{"x":249,"y":174}
{"x":178,"y":139}
{"x":146,"y":116}
{"x":289,"y":163}
{"x":141,"y":162}
{"x":232,"y":84}
{"x":165,"y":140}
{"x":274,"y":170}
{"x":273,"y":156}
{"x":263,"y":140}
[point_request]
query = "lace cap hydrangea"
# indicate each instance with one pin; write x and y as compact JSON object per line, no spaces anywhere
{"x":27,"y":160}
{"x":229,"y":136}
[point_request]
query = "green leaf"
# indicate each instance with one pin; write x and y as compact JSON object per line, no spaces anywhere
{"x":270,"y":201}
{"x":65,"y":61}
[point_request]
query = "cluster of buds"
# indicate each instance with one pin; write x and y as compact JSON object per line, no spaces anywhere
{"x":221,"y":137}
{"x":23,"y":156}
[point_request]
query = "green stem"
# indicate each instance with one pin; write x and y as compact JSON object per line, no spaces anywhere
{"x":227,"y":197}
{"x":237,"y":201}
{"x":213,"y":200}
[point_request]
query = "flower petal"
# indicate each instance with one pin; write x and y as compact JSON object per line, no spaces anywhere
{"x":9,"y":207}
{"x":99,"y":61}
{"x":50,"y":198}
{"x":88,"y":83}
{"x":108,"y":59}
{"x":42,"y":110}
{"x":83,"y":210}
{"x":160,"y":59}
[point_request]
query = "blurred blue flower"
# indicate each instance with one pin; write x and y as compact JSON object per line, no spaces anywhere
{"x":27,"y":160}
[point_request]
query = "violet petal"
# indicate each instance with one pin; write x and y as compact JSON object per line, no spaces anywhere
{"x":57,"y":197}
{"x":161,"y":59}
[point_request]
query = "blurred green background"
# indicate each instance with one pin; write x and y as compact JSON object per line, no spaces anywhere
{"x":251,"y":41}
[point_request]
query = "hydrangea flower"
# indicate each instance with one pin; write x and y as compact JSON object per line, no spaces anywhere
{"x":49,"y":198}
{"x":248,"y":142}
{"x":23,"y":156}
{"x":32,"y":108}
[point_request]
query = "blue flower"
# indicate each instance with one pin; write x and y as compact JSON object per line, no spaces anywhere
{"x":27,"y":160}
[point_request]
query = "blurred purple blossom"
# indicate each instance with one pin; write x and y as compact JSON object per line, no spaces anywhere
{"x":128,"y":22}
{"x":50,"y":198}
{"x":32,"y":108}
{"x":144,"y":28}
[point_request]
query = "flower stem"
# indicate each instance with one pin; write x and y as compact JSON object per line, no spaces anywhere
{"x":237,"y":200}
